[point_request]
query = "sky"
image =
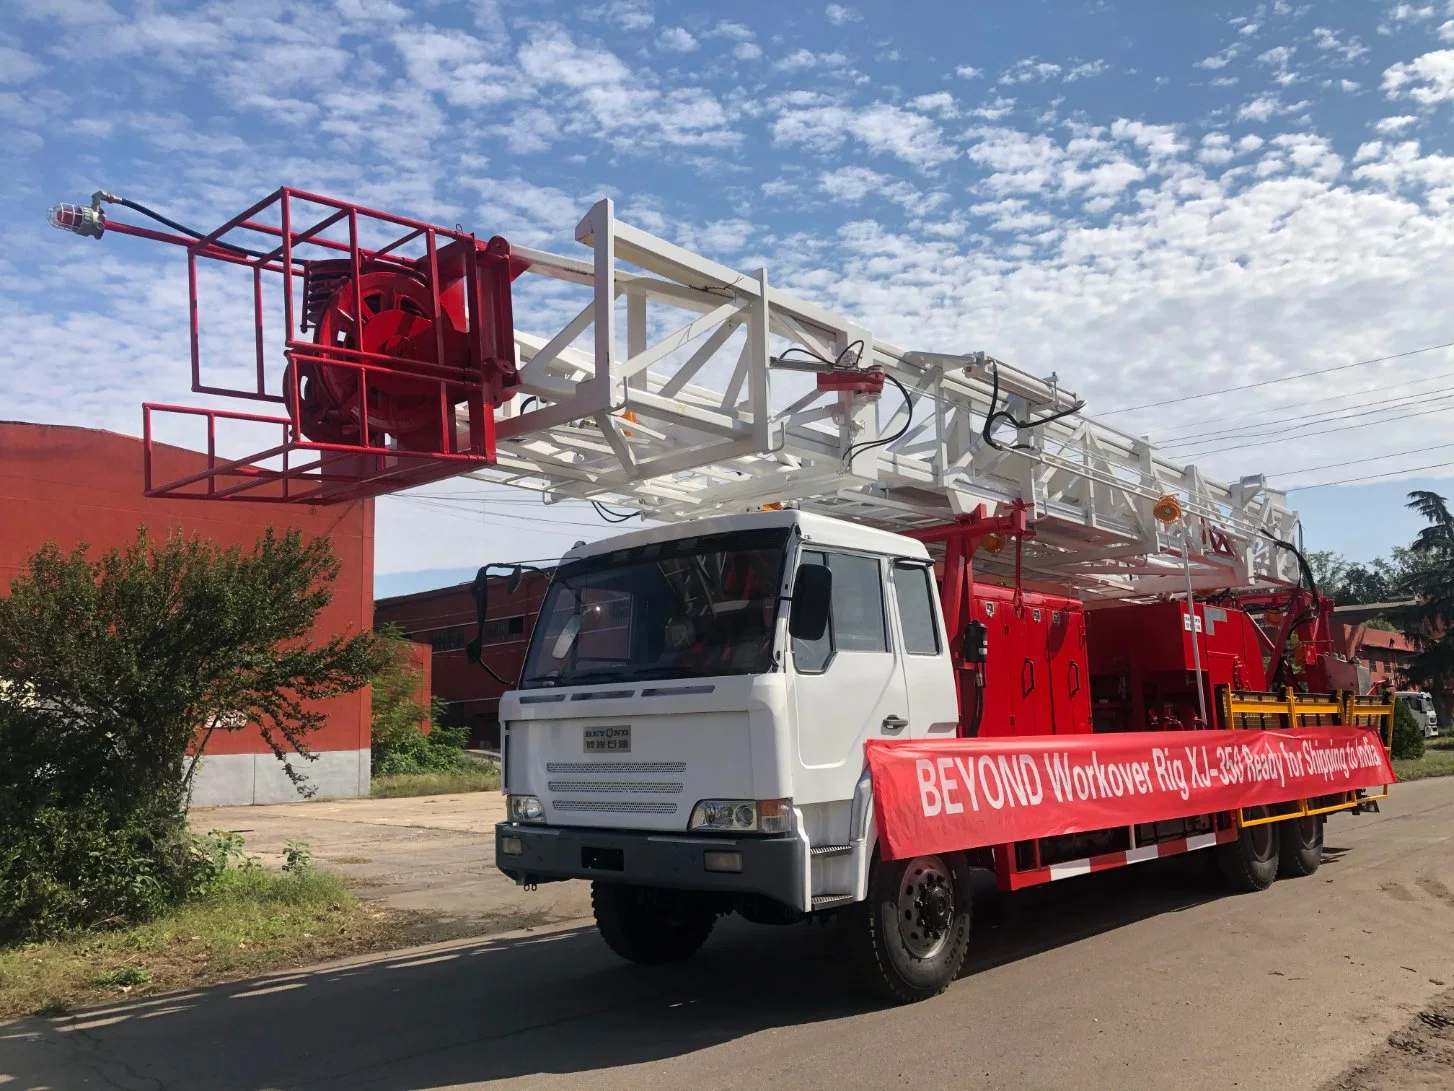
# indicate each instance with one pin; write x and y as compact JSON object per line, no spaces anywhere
{"x":1154,"y":201}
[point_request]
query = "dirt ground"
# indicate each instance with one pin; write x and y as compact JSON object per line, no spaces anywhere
{"x":433,"y":857}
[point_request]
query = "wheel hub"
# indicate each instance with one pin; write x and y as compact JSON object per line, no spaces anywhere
{"x":926,"y":906}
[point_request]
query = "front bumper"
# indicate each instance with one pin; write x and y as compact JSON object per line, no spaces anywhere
{"x":772,"y":866}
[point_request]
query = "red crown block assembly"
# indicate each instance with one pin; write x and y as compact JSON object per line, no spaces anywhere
{"x":395,"y":355}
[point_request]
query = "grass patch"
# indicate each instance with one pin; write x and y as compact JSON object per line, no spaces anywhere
{"x":256,"y":922}
{"x":475,"y":776}
{"x":1443,"y":742}
{"x":1438,"y":761}
{"x":1434,"y":763}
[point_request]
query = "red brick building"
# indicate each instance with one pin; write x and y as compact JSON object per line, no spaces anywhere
{"x":72,"y":485}
{"x":445,"y":620}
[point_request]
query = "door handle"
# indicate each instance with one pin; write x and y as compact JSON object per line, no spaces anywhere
{"x":895,"y":723}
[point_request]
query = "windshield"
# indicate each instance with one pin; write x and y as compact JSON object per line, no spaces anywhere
{"x":693,"y":607}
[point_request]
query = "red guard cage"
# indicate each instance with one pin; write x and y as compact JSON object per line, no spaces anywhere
{"x":397,"y":341}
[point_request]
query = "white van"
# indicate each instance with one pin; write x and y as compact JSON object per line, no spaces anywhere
{"x":1422,"y":706}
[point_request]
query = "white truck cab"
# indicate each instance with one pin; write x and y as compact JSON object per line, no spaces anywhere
{"x":690,"y":722}
{"x":1421,"y":704}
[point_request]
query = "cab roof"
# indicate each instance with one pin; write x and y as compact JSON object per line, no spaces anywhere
{"x":818,"y":530}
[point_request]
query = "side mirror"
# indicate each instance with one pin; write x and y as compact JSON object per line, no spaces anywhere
{"x":812,"y":598}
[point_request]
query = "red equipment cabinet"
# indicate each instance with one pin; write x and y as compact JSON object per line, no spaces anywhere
{"x":1036,"y":672}
{"x":1143,"y":666}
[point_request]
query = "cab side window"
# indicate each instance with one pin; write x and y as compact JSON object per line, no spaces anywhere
{"x":915,"y":597}
{"x":856,"y":621}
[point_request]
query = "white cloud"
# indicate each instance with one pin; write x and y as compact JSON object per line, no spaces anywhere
{"x":747,"y":51}
{"x":883,"y":129}
{"x":1160,"y":141}
{"x":1260,"y":109}
{"x":1220,"y":60}
{"x":805,"y":58}
{"x":17,"y":66}
{"x":1030,"y":70}
{"x":996,"y":109}
{"x":1349,"y":49}
{"x":1411,"y":13}
{"x":851,"y":185}
{"x":1427,"y":80}
{"x":968,"y":72}
{"x":1391,"y":125}
{"x":837,"y":14}
{"x":735,"y":31}
{"x":1446,"y":30}
{"x":1087,"y":70}
{"x":676,"y":40}
{"x":627,"y":14}
{"x":940,"y":102}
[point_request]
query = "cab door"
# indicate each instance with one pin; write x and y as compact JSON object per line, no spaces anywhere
{"x":848,"y":686}
{"x":928,"y":673}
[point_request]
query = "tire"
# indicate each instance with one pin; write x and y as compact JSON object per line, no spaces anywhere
{"x":1300,"y":848}
{"x":1250,"y":863}
{"x":650,"y":926}
{"x":909,"y":938}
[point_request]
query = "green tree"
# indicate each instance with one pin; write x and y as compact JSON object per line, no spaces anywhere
{"x":114,"y":674}
{"x":400,"y":743}
{"x":1431,"y":579}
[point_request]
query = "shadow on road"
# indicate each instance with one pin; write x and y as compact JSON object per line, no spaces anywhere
{"x":553,"y":1003}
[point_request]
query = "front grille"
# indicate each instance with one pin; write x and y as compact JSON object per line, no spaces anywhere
{"x":646,"y":787}
{"x":597,"y":768}
{"x":612,"y":806}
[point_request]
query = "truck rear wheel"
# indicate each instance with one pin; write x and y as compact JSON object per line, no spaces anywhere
{"x":1301,"y":847}
{"x":648,"y":925}
{"x":1250,"y":863}
{"x":909,"y":938}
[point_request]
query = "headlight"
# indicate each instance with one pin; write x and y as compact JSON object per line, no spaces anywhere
{"x":526,"y":809}
{"x":742,"y":816}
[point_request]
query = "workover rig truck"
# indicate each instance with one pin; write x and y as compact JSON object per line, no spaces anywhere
{"x":901,"y":614}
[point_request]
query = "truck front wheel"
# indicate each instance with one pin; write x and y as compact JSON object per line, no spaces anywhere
{"x":648,"y":925}
{"x":910,"y":936}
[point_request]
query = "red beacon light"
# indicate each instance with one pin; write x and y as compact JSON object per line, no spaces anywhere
{"x":396,"y":354}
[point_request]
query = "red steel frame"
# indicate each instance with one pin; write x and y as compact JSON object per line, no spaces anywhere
{"x":1021,"y":865}
{"x":320,"y":471}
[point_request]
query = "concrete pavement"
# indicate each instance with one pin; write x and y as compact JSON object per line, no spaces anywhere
{"x":1143,"y":977}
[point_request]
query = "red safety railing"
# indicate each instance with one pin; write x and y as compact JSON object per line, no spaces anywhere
{"x":394,"y":354}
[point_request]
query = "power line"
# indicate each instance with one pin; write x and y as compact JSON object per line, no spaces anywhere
{"x":1258,"y":431}
{"x":1322,"y":431}
{"x":1250,"y":427}
{"x":1271,"y":382}
{"x":1291,"y":406}
{"x":1369,"y":458}
{"x":1370,"y":477}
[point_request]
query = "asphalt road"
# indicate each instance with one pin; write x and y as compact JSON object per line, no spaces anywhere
{"x":1144,"y":977}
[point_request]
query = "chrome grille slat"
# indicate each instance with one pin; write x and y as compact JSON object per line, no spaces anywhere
{"x":612,"y":806}
{"x":596,"y":768}
{"x":645,"y":787}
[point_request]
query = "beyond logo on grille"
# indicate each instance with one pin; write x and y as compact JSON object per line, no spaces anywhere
{"x":607,"y":740}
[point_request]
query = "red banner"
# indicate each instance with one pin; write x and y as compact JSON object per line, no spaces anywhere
{"x":942,"y":795}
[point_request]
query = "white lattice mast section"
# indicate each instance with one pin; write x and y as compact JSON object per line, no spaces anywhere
{"x":691,"y":414}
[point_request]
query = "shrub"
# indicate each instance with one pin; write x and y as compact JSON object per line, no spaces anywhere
{"x":399,"y":743}
{"x":1408,"y":734}
{"x":111,"y":673}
